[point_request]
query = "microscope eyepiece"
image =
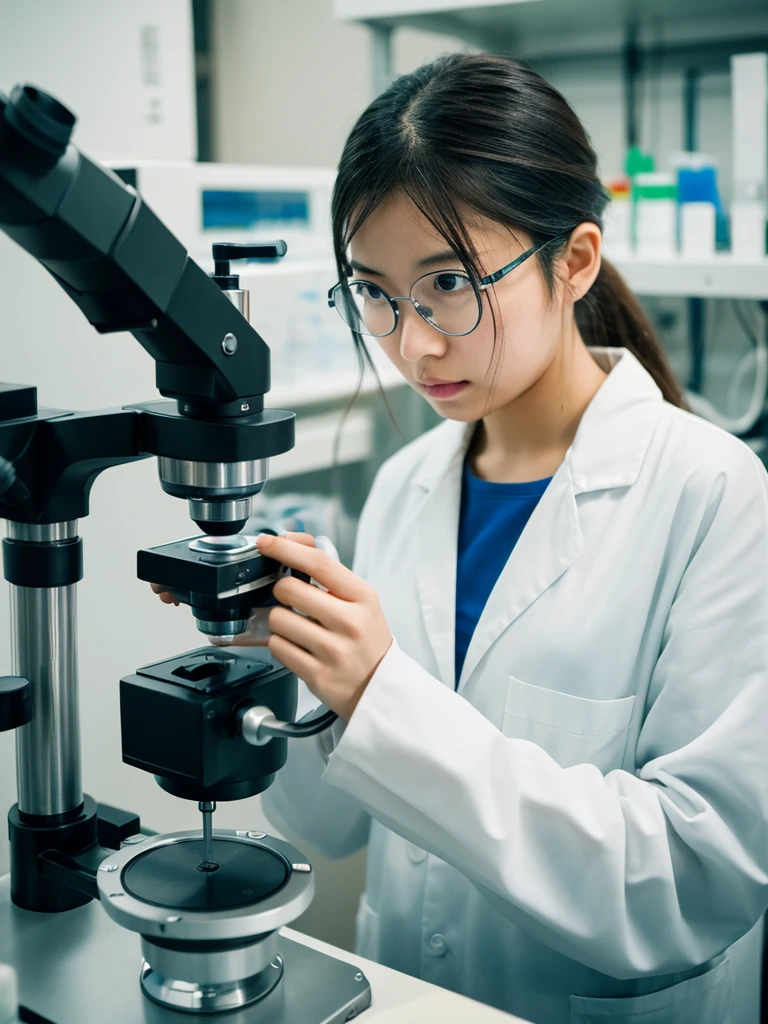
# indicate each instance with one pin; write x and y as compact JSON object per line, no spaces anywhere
{"x":35,"y":129}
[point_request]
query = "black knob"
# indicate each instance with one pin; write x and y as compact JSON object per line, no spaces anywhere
{"x":35,"y":129}
{"x":224,"y":252}
{"x":15,"y":702}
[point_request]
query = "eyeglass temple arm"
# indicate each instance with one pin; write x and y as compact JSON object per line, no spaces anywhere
{"x":493,"y":278}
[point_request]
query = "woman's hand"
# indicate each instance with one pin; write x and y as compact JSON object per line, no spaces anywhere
{"x":165,"y":595}
{"x":336,"y":645}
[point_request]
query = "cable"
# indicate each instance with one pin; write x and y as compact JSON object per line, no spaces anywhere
{"x":257,"y":725}
{"x":298,"y":729}
{"x":744,"y":423}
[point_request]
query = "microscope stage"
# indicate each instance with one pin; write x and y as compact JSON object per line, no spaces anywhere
{"x":80,"y":967}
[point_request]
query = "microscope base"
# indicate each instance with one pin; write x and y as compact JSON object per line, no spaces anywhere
{"x":79,"y":967}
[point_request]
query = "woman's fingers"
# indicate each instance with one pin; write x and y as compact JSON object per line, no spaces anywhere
{"x":326,"y":609}
{"x":300,"y":538}
{"x":294,"y":658}
{"x":339,"y":580}
{"x":257,"y":634}
{"x":165,"y":595}
{"x":301,"y":631}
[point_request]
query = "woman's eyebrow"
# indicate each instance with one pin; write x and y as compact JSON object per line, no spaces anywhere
{"x":438,"y":259}
{"x":435,"y":260}
{"x":362,"y":269}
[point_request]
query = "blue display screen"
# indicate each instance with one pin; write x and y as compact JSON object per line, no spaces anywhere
{"x":241,"y":210}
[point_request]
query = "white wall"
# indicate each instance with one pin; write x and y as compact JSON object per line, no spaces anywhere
{"x":289,"y":81}
{"x":126,"y":70}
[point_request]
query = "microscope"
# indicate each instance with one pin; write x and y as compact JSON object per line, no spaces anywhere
{"x":211,"y":724}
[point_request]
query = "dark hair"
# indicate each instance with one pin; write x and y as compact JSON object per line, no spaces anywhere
{"x":487,"y":132}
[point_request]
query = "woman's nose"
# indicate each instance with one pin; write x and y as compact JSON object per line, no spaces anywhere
{"x":417,"y":337}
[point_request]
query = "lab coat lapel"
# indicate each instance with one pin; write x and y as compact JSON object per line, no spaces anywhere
{"x":549,"y":544}
{"x":437,"y":528}
{"x":607,"y":452}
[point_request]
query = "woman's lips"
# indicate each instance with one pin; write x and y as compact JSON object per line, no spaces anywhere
{"x":445,"y":390}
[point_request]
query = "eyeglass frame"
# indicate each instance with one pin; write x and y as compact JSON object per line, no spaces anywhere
{"x":478,"y":286}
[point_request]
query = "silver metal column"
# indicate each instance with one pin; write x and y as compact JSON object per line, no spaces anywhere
{"x":44,"y":649}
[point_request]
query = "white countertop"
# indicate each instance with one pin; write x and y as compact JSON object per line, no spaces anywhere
{"x":400,"y":999}
{"x":85,"y":963}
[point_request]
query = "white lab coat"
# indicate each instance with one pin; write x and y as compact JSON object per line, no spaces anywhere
{"x":580,"y":833}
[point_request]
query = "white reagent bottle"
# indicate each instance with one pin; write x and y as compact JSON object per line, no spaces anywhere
{"x":9,"y":1000}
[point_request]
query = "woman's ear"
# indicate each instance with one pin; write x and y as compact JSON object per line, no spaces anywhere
{"x":582,"y":259}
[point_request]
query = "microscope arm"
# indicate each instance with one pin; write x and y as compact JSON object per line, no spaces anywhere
{"x":118,"y":262}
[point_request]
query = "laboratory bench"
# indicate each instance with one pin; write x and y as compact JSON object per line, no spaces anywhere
{"x":80,"y":967}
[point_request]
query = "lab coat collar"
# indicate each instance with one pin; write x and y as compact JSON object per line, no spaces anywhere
{"x":611,"y":440}
{"x":608,"y":450}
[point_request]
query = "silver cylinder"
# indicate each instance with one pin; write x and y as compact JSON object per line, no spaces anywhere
{"x":212,"y":480}
{"x":241,"y":298}
{"x":219,"y":511}
{"x":44,"y":649}
{"x":217,"y":492}
{"x":230,"y":628}
{"x":211,"y":968}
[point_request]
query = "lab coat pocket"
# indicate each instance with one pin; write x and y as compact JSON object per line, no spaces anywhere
{"x":572,"y":730}
{"x":706,"y":999}
{"x":366,"y":930}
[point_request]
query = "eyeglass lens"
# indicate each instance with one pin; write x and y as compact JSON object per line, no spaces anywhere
{"x":447,"y":299}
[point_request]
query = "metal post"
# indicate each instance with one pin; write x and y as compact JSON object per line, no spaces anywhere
{"x":381,"y":57}
{"x":44,"y":649}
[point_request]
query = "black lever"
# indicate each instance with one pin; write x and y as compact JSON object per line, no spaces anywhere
{"x":225,"y":252}
{"x":15,"y":702}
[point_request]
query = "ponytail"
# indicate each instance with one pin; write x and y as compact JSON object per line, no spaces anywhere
{"x":610,"y":315}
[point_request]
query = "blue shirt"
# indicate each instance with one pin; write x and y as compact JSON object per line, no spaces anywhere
{"x":491,"y":520}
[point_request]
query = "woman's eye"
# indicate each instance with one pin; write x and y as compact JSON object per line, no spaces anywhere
{"x":450,"y":282}
{"x":369,"y":292}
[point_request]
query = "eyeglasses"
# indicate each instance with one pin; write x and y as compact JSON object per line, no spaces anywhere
{"x":449,"y":300}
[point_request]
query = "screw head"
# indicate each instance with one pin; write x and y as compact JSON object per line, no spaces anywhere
{"x":108,"y":867}
{"x":229,"y":345}
{"x":359,"y":976}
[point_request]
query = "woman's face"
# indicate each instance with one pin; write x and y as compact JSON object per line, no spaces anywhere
{"x":397,"y":245}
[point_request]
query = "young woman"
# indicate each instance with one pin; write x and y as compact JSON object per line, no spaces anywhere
{"x":559,"y":763}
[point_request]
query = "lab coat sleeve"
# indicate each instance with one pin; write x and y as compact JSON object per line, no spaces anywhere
{"x":631,"y":874}
{"x":300,"y":801}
